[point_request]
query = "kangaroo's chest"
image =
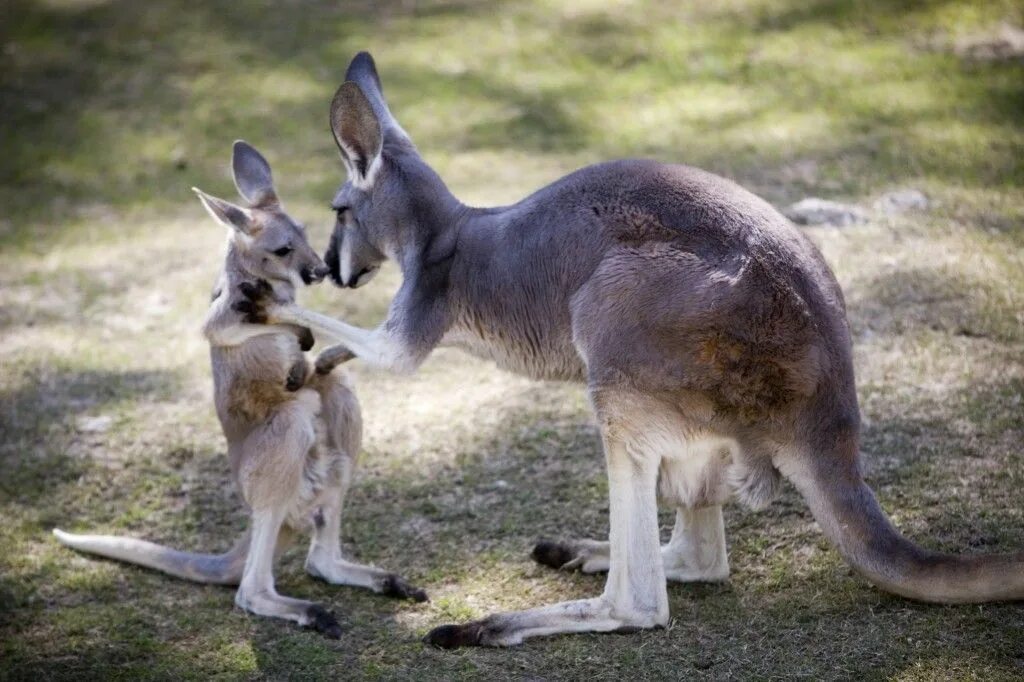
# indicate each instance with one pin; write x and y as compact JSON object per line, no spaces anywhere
{"x":539,"y":348}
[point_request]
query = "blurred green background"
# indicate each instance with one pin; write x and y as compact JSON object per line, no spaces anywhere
{"x":110,"y":110}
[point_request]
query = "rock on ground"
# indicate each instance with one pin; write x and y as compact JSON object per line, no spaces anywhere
{"x":901,"y":201}
{"x":815,"y":211}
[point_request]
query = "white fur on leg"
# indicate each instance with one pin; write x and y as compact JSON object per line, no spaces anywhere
{"x":256,"y":592}
{"x":636,"y":578}
{"x":325,"y":560}
{"x":697,"y":551}
{"x":634,"y":595}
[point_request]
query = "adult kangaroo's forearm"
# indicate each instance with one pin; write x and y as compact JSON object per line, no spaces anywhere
{"x":377,"y":347}
{"x":237,"y":334}
{"x":336,"y":330}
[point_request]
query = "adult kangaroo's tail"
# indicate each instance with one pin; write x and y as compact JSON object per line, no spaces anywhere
{"x":852,"y":519}
{"x":219,"y":569}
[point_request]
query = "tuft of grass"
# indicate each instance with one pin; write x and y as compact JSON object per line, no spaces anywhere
{"x":113,"y":109}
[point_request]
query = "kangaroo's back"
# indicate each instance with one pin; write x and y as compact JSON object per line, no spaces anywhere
{"x":711,"y":255}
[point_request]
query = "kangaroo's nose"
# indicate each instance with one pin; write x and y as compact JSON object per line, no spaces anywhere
{"x":312,"y":275}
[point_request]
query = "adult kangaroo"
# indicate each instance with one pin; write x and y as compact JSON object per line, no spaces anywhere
{"x":710,"y":333}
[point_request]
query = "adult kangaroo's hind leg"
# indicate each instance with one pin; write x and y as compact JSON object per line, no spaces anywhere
{"x":693,"y":480}
{"x":634,"y":596}
{"x":696,"y":551}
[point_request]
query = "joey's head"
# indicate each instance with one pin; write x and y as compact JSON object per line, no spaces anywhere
{"x":392,"y":201}
{"x":268,"y":243}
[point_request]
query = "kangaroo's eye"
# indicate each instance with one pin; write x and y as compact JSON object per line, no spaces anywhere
{"x":283,"y":251}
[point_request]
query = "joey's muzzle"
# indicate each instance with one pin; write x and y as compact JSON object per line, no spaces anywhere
{"x":312,"y":275}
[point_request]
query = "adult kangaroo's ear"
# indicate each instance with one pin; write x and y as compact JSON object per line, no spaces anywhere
{"x":363,"y":72}
{"x":227,"y":214}
{"x":252,"y":175}
{"x":357,"y":131}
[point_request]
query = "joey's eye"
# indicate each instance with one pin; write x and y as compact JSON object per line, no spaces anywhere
{"x":283,"y":251}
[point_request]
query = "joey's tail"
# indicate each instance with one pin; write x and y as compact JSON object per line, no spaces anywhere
{"x":847,"y":511}
{"x":218,"y":569}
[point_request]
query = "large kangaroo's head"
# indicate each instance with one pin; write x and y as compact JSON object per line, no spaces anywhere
{"x":387,"y":201}
{"x":268,"y":243}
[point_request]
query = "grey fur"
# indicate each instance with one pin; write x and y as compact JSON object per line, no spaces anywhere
{"x":710,"y":333}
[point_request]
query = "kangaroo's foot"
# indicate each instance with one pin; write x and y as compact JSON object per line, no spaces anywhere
{"x":584,"y":615}
{"x":696,"y":552}
{"x":338,"y":571}
{"x":305,"y":613}
{"x":256,"y":593}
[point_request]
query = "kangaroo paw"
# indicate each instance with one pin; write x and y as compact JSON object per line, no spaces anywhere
{"x":324,"y":622}
{"x":297,"y":376}
{"x":394,"y":586}
{"x":331,"y":357}
{"x":306,"y":339}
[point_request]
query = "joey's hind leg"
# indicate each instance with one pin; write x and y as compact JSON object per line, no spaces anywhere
{"x":257,"y":593}
{"x":342,"y":430}
{"x":269,"y":476}
{"x":325,"y":559}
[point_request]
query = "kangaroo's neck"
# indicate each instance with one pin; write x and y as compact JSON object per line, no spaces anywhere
{"x":439,"y":220}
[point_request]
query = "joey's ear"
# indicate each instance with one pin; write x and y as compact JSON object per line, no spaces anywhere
{"x":227,"y":214}
{"x":252,"y":175}
{"x":357,"y":131}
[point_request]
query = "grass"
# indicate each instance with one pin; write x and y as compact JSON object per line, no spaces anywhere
{"x":112,"y":109}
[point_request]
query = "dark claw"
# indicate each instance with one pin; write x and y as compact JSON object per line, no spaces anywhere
{"x":296,"y":376}
{"x":250,"y":312}
{"x":553,"y":554}
{"x":261,"y":289}
{"x":306,"y":339}
{"x":452,"y":636}
{"x":255,"y":294}
{"x":323,"y":621}
{"x":394,"y":586}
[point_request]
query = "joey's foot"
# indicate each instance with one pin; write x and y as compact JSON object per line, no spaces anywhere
{"x":395,"y":586}
{"x":306,"y":339}
{"x":331,"y":357}
{"x":323,"y":621}
{"x":297,"y":376}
